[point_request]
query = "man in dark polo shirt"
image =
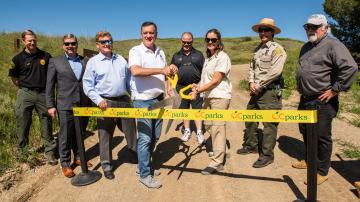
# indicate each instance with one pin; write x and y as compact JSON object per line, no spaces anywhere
{"x":28,"y":72}
{"x":190,"y":63}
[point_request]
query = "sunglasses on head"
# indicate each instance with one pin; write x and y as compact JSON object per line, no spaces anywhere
{"x":105,"y":42}
{"x":212,"y":40}
{"x":265,"y":29}
{"x":187,"y":42}
{"x":308,"y":27}
{"x":70,"y":43}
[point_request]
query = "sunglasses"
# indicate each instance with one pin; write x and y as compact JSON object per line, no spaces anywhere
{"x":265,"y":29}
{"x":106,"y":42}
{"x":70,"y":43}
{"x":187,"y":42}
{"x":212,"y":40}
{"x":308,"y":27}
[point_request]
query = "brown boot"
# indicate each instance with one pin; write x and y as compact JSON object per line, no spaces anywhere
{"x":68,"y":172}
{"x":320,"y":179}
{"x":300,"y":164}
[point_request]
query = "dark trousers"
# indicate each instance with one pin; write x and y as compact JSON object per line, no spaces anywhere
{"x":28,"y":100}
{"x":106,"y":127}
{"x":325,"y":114}
{"x":267,"y":99}
{"x":67,"y":137}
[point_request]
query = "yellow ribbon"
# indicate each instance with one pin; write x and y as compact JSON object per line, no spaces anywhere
{"x":287,"y":116}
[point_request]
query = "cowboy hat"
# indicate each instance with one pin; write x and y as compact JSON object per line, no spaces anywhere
{"x":266,"y":22}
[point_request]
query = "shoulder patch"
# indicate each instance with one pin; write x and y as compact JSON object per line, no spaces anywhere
{"x":278,"y":51}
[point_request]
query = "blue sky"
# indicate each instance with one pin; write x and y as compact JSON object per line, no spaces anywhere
{"x":233,"y":18}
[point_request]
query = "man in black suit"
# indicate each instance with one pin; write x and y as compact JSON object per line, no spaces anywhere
{"x":65,"y":75}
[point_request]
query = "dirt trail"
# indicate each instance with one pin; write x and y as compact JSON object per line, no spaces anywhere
{"x":181,"y":163}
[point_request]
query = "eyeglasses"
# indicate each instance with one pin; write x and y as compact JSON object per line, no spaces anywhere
{"x":106,"y":42}
{"x":212,"y":40}
{"x":264,"y":29}
{"x":187,"y":42}
{"x":308,"y":27}
{"x":70,"y":43}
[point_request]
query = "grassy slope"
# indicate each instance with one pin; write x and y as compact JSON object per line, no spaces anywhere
{"x":239,"y":49}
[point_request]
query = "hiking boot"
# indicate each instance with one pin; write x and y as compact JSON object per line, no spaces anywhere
{"x":300,"y":164}
{"x":246,"y":150}
{"x":320,"y":179}
{"x":211,"y":170}
{"x":200,"y":138}
{"x":186,"y":135}
{"x":263,"y":161}
{"x":150,"y":182}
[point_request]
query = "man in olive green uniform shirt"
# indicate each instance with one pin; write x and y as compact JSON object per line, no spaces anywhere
{"x":265,"y":82}
{"x":28,"y":73}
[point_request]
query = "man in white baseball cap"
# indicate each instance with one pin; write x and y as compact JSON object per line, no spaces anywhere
{"x":326,"y":68}
{"x":316,"y":27}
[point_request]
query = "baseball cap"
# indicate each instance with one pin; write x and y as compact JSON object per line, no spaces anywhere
{"x":317,"y":19}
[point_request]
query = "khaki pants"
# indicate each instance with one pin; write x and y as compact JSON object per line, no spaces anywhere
{"x":217,"y":130}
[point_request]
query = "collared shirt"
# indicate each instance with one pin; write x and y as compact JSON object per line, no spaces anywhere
{"x":219,"y":62}
{"x":75,"y":64}
{"x":149,"y":87}
{"x":267,"y":64}
{"x":325,"y":65}
{"x":189,"y":66}
{"x":30,"y":68}
{"x":107,"y":77}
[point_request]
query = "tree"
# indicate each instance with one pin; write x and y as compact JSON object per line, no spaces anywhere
{"x":345,"y":22}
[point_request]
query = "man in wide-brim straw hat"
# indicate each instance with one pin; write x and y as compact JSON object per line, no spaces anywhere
{"x":265,"y":83}
{"x":266,"y":22}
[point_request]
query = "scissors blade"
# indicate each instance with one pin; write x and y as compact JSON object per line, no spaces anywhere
{"x":168,"y":126}
{"x":176,"y":105}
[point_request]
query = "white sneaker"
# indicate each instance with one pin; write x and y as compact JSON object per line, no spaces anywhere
{"x":200,"y":138}
{"x":150,"y":182}
{"x":186,"y":136}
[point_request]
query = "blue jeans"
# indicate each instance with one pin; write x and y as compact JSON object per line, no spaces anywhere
{"x":149,"y":131}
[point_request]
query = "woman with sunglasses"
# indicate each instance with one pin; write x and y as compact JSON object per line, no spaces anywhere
{"x":216,"y":88}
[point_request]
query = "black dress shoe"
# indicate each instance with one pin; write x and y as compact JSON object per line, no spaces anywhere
{"x":109,"y":174}
{"x":262,"y":162}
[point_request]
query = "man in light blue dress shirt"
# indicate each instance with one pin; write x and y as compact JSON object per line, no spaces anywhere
{"x":106,"y":83}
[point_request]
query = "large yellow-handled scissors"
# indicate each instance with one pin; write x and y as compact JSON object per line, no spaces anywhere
{"x":174,"y":100}
{"x":173,"y":82}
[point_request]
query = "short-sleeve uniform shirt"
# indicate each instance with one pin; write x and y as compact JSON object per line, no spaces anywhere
{"x":219,"y":62}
